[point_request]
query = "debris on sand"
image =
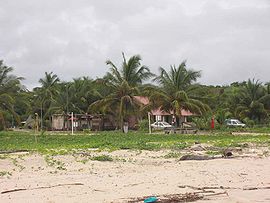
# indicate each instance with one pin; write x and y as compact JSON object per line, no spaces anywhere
{"x":197,"y":147}
{"x":173,"y":198}
{"x":195,"y":157}
{"x":227,"y":153}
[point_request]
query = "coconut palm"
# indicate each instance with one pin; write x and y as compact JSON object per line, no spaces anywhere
{"x":46,"y":94}
{"x":48,"y":85}
{"x":121,"y":103}
{"x":177,"y":91}
{"x":75,"y":96}
{"x":9,"y":87}
{"x":83,"y":93}
{"x":123,"y":84}
{"x":253,"y":100}
{"x":131,"y":71}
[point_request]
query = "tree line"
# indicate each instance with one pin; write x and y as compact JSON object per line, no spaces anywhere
{"x":173,"y":89}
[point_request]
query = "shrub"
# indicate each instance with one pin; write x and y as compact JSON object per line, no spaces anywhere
{"x":143,"y":126}
{"x":102,"y":158}
{"x":86,"y":131}
{"x":203,"y":123}
{"x":249,"y":122}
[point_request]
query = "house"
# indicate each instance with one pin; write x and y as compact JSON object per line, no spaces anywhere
{"x":160,"y":115}
{"x":62,"y":122}
{"x":109,"y":122}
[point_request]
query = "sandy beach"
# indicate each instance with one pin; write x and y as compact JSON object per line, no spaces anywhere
{"x":133,"y":175}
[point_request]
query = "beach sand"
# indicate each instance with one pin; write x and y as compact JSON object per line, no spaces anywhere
{"x":132,"y":174}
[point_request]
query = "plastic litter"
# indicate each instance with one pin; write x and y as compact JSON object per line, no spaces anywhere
{"x":151,"y":200}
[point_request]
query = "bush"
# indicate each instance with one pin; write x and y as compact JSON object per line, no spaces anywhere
{"x":102,"y":158}
{"x":249,"y":122}
{"x":203,"y":123}
{"x":86,"y":131}
{"x":143,"y":126}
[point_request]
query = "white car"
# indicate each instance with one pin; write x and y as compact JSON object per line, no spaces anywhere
{"x":234,"y":123}
{"x":160,"y":125}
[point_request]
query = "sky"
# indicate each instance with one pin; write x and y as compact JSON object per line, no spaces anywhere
{"x":228,"y":40}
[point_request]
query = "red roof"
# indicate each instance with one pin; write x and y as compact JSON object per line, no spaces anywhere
{"x":159,"y":112}
{"x":143,"y":100}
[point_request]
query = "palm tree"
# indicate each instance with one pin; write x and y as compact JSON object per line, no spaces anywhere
{"x":131,"y":72}
{"x":47,"y":93}
{"x":75,"y":96}
{"x":120,"y":103}
{"x":62,"y":104}
{"x":253,"y":100}
{"x":48,"y":84}
{"x":83,"y":93}
{"x":9,"y":87}
{"x":177,"y":91}
{"x":123,"y":84}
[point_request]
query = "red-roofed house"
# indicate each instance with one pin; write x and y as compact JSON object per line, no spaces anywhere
{"x":160,"y":115}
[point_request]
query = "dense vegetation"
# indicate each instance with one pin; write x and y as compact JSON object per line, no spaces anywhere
{"x":174,"y":88}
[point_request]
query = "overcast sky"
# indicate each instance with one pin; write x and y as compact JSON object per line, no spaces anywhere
{"x":228,"y":40}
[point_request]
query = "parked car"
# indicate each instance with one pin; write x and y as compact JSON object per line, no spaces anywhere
{"x":234,"y":123}
{"x":160,"y":125}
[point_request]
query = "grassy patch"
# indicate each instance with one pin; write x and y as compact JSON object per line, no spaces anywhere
{"x":65,"y":143}
{"x":5,"y":173}
{"x":172,"y":155}
{"x":54,"y":163}
{"x":3,"y":156}
{"x":16,"y":163}
{"x":102,"y":158}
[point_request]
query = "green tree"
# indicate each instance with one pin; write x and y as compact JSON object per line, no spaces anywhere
{"x":75,"y":96}
{"x":10,"y":85}
{"x":46,"y":94}
{"x":131,"y":72}
{"x":124,"y":84}
{"x":253,"y":99}
{"x":177,"y":90}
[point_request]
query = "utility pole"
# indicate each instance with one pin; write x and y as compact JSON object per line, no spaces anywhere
{"x":12,"y":122}
{"x":72,"y":123}
{"x":149,"y":122}
{"x":41,"y":116}
{"x":67,"y":97}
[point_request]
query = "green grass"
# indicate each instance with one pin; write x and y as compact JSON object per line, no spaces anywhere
{"x":54,"y":163}
{"x":255,"y":129}
{"x":5,"y":173}
{"x":102,"y":158}
{"x":172,"y":155}
{"x":61,"y":144}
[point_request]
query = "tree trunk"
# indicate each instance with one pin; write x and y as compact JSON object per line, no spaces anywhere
{"x":2,"y":122}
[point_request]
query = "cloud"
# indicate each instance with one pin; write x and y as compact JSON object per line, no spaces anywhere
{"x":227,"y":40}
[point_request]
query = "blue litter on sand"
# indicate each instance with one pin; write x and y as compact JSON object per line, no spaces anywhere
{"x":151,"y":199}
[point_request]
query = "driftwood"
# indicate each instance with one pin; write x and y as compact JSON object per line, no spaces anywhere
{"x":195,"y":157}
{"x":188,"y":157}
{"x":13,"y":151}
{"x":206,"y":188}
{"x":257,"y":188}
{"x":37,"y":188}
{"x":224,"y":188}
{"x":215,"y":194}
